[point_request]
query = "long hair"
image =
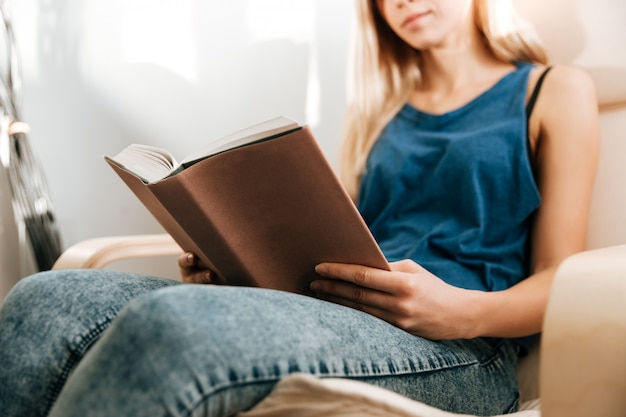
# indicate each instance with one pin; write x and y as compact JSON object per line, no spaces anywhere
{"x":386,"y":71}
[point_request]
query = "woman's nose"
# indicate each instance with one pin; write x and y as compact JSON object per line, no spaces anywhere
{"x":401,"y":3}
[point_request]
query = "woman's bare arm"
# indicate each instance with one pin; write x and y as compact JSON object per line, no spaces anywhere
{"x":566,"y":154}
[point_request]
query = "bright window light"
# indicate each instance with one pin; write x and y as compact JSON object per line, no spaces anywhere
{"x":293,"y":21}
{"x":161,"y":34}
{"x":281,"y":19}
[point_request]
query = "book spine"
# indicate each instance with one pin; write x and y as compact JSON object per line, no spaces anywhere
{"x":192,"y":210}
{"x":156,"y":207}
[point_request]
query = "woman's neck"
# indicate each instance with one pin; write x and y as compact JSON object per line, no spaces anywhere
{"x":456,"y":72}
{"x":463,"y":59}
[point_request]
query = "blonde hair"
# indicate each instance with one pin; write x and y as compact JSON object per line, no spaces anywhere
{"x":386,"y":71}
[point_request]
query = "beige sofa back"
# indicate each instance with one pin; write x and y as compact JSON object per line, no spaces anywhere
{"x":590,"y":34}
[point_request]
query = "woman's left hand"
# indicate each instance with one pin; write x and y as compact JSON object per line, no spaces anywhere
{"x":407,"y":296}
{"x":193,"y":271}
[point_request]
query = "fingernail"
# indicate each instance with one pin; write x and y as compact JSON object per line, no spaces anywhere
{"x":207,"y":277}
{"x":315,"y":286}
{"x":321,"y":269}
{"x":190,"y":258}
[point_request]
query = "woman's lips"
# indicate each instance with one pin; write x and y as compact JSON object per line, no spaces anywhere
{"x":415,"y":20}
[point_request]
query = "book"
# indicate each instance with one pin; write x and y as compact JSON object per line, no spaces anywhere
{"x":260,"y":207}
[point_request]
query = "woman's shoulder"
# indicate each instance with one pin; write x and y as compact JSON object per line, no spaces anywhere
{"x":566,"y":105}
{"x":563,"y":83}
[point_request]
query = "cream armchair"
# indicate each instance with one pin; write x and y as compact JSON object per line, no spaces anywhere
{"x":580,"y":367}
{"x":582,"y":371}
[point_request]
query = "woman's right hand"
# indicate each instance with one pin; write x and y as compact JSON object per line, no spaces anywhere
{"x":193,"y":271}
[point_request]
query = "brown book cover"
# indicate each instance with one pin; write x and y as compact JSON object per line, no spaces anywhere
{"x":262,"y":214}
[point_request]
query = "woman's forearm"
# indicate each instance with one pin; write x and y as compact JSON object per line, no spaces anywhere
{"x":514,"y":312}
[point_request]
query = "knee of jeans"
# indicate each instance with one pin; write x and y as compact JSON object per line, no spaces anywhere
{"x":52,"y":291}
{"x":33,"y":286}
{"x":152,"y":321}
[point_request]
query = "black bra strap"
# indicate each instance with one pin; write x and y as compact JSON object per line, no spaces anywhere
{"x":535,"y":94}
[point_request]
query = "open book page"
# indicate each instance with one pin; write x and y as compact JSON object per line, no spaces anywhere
{"x":153,"y":164}
{"x":242,"y":137}
{"x":147,"y":162}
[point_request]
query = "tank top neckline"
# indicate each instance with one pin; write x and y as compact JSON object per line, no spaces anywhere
{"x":411,"y":111}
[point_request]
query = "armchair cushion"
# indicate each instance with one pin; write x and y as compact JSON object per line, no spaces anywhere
{"x":307,"y":396}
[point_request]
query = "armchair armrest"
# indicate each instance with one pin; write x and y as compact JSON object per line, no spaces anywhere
{"x":583,"y":348}
{"x":99,"y":252}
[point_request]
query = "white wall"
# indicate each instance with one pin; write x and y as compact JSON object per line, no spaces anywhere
{"x":101,"y":74}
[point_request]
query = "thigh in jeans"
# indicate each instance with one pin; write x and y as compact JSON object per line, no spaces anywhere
{"x":214,"y":351}
{"x":48,"y":322}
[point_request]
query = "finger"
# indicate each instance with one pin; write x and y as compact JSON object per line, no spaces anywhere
{"x":406,"y":265}
{"x":187,"y":260}
{"x":369,"y":309}
{"x":354,"y":295}
{"x":204,"y":277}
{"x":363,"y":276}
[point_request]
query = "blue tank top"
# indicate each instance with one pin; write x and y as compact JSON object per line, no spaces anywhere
{"x":455,"y":192}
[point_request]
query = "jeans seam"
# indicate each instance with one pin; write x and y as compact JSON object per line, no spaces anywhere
{"x":514,"y":407}
{"x":497,"y":351}
{"x":76,"y":354}
{"x":216,"y":388}
{"x":227,"y":385}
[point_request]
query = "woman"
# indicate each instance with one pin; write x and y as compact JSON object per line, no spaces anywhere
{"x":476,"y":188}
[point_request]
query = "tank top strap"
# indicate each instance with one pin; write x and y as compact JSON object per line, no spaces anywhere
{"x":535,"y":94}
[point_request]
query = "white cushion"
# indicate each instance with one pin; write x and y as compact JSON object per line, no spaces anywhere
{"x":307,"y":396}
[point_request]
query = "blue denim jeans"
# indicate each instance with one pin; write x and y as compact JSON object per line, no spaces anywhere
{"x":102,"y":343}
